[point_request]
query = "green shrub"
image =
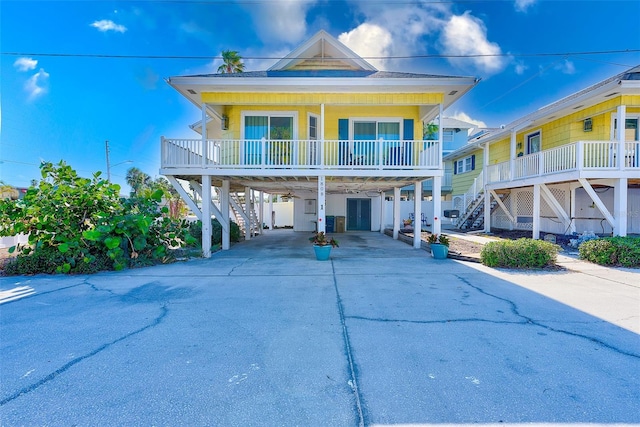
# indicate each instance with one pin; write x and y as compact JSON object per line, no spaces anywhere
{"x":521,"y":253}
{"x":82,"y":225}
{"x":623,"y":251}
{"x":195,"y":230}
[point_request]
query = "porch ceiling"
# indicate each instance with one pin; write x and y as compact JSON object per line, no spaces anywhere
{"x":293,"y":184}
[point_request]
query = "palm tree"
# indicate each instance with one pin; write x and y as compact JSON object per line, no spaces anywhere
{"x":137,"y":180}
{"x":231,"y":62}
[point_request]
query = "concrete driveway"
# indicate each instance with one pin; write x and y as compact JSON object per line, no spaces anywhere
{"x":265,"y":335}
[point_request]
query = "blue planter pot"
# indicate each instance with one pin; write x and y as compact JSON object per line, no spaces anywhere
{"x":439,"y":251}
{"x":322,"y":252}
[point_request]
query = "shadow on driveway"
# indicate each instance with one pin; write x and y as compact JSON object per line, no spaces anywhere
{"x":265,"y":335}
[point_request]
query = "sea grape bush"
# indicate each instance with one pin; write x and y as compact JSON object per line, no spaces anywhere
{"x":82,"y":225}
{"x":520,"y":253}
{"x":622,"y":251}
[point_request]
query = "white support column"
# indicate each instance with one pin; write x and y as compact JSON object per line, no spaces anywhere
{"x":440,"y":134}
{"x":417,"y":214}
{"x":206,"y":216}
{"x":321,"y":204}
{"x":271,"y":222}
{"x":396,"y":212}
{"x":224,"y":210}
{"x":536,"y":212}
{"x":437,"y":204}
{"x":247,"y":209}
{"x":512,"y":156}
{"x":620,"y":207}
{"x":487,"y":196}
{"x":321,"y":142}
{"x":572,"y":210}
{"x":261,"y":212}
{"x":621,"y":118}
{"x":214,"y":209}
{"x":382,"y":212}
{"x":204,"y":137}
{"x":487,"y":211}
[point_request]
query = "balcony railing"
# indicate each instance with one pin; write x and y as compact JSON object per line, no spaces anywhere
{"x":581,"y":155}
{"x":303,"y":154}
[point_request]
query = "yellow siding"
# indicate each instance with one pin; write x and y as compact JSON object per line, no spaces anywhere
{"x":568,"y":129}
{"x":462,"y":182}
{"x":332,"y":114}
{"x":275,"y":99}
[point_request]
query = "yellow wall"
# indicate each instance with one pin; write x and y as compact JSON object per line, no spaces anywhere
{"x":332,"y":114}
{"x":568,"y":129}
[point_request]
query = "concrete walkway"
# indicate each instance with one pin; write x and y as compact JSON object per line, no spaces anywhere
{"x":265,"y":335}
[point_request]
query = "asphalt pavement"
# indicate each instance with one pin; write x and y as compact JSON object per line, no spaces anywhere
{"x":265,"y":335}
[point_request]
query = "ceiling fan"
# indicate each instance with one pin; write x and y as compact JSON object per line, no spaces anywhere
{"x":288,"y":196}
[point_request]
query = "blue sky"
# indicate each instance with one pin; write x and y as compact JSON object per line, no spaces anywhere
{"x":62,"y":100}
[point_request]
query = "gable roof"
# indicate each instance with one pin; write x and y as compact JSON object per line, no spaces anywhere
{"x":322,"y":51}
{"x":625,"y":83}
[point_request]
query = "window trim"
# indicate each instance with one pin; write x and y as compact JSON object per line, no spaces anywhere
{"x":527,"y":136}
{"x":317,"y":118}
{"x":463,"y":163}
{"x":269,"y":114}
{"x":614,"y":119}
{"x":377,"y":120}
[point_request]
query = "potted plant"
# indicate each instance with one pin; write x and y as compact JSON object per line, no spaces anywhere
{"x":439,"y":245}
{"x":322,"y":245}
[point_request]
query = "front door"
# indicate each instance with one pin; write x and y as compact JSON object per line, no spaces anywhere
{"x":359,"y":214}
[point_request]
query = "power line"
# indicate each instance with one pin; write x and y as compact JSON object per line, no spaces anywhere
{"x":435,"y":56}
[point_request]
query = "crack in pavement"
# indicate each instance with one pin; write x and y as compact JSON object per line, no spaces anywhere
{"x":69,"y":365}
{"x":347,"y":343}
{"x":515,"y":311}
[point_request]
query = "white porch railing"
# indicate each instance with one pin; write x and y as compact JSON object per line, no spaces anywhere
{"x":581,"y":155}
{"x":304,"y":154}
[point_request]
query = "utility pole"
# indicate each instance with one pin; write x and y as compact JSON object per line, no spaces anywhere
{"x":106,"y":145}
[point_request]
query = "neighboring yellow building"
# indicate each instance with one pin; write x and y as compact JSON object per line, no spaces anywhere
{"x":322,"y":126}
{"x":562,"y":169}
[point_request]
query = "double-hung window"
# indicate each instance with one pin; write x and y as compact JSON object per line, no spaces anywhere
{"x":466,"y":164}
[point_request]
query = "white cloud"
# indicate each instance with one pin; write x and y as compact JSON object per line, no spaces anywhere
{"x":465,"y":118}
{"x":523,"y":5}
{"x":369,"y":40}
{"x":25,"y":64}
{"x":467,"y":35}
{"x":105,"y":25}
{"x":520,"y":68}
{"x":566,"y":67}
{"x":281,"y":21}
{"x":399,"y":29}
{"x":37,"y":85}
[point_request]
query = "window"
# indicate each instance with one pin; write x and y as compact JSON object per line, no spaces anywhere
{"x":447,"y":135}
{"x":275,"y":126}
{"x":313,"y":127}
{"x":534,"y":142}
{"x":373,"y":130}
{"x":466,"y":164}
{"x":630,"y":129}
{"x":312,"y":152}
{"x":269,"y":126}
